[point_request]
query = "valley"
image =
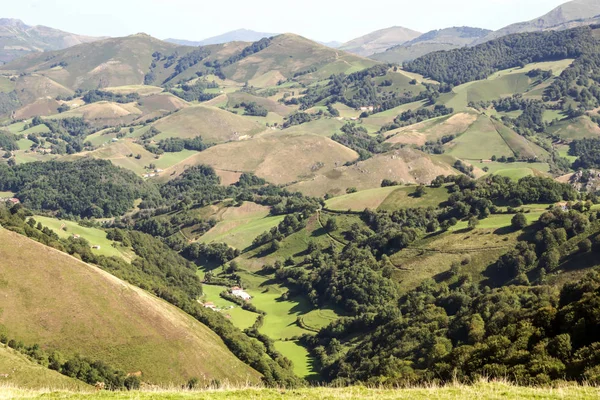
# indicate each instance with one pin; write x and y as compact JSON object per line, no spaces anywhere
{"x":257,"y":211}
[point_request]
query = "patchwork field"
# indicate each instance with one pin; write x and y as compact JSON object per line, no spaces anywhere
{"x":432,"y":130}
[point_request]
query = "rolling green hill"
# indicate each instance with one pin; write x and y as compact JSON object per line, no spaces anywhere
{"x":63,"y":304}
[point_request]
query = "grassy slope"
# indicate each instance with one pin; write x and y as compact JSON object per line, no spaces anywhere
{"x":290,"y":53}
{"x":469,"y":144}
{"x":388,"y":198}
{"x":502,"y":84}
{"x":432,"y":129}
{"x":95,"y":236}
{"x":278,"y":157}
{"x":213,"y":124}
{"x":479,"y":391}
{"x":26,"y":374}
{"x":404,"y":165}
{"x":579,"y":128}
{"x":61,"y":303}
{"x":111,"y":62}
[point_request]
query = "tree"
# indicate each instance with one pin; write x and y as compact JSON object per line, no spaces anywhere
{"x":473,"y":222}
{"x":419,"y":191}
{"x":331,"y":225}
{"x":550,"y":260}
{"x":519,"y":221}
{"x":585,"y":246}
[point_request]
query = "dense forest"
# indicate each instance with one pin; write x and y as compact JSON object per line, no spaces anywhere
{"x":468,"y":64}
{"x":84,"y":188}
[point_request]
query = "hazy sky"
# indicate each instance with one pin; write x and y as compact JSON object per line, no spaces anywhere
{"x":317,"y":19}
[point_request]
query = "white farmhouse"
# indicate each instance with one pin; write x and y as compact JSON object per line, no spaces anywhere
{"x":239,"y":292}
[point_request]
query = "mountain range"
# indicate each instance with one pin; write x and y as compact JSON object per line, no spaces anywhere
{"x":18,"y":39}
{"x":265,"y":210}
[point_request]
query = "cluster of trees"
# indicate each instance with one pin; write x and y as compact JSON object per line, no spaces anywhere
{"x":216,"y":65}
{"x":8,"y":141}
{"x":84,"y":188}
{"x":84,"y":369}
{"x":189,"y":60}
{"x":356,"y":137}
{"x":359,"y":89}
{"x":437,"y":147}
{"x":411,"y":117}
{"x":196,"y":91}
{"x":97,"y":95}
{"x":440,"y":334}
{"x":253,"y":109}
{"x":297,"y":118}
{"x":351,"y":280}
{"x":468,"y":64}
{"x":67,"y":135}
{"x":291,"y":223}
{"x":212,"y":253}
{"x":175,"y":145}
{"x":587,"y":152}
{"x":580,"y":82}
{"x":306,"y":71}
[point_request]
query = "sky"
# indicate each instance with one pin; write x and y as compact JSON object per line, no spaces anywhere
{"x":324,"y":20}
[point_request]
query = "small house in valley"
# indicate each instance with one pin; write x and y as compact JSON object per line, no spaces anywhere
{"x":239,"y":292}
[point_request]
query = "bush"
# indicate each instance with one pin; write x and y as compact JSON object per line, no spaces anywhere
{"x":519,"y":221}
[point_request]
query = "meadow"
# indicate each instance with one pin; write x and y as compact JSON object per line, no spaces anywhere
{"x":95,"y":236}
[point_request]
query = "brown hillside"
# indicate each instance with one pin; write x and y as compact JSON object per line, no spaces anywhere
{"x":61,"y":303}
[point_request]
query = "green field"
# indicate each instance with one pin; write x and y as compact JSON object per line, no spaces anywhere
{"x":402,"y":198}
{"x":388,"y":198}
{"x":516,"y":170}
{"x":7,"y":194}
{"x":478,"y":391}
{"x":371,"y":198}
{"x":468,"y":146}
{"x":95,"y":236}
{"x":241,"y":318}
{"x":240,"y":233}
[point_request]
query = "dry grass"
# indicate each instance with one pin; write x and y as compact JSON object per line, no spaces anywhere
{"x":404,"y":166}
{"x":213,"y":124}
{"x":478,"y":391}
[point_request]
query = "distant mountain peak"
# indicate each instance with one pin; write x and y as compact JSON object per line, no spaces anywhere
{"x":568,"y":15}
{"x":13,"y":22}
{"x":238,"y":35}
{"x":380,"y":40}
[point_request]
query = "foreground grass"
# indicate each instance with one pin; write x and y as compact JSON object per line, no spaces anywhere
{"x":478,"y":391}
